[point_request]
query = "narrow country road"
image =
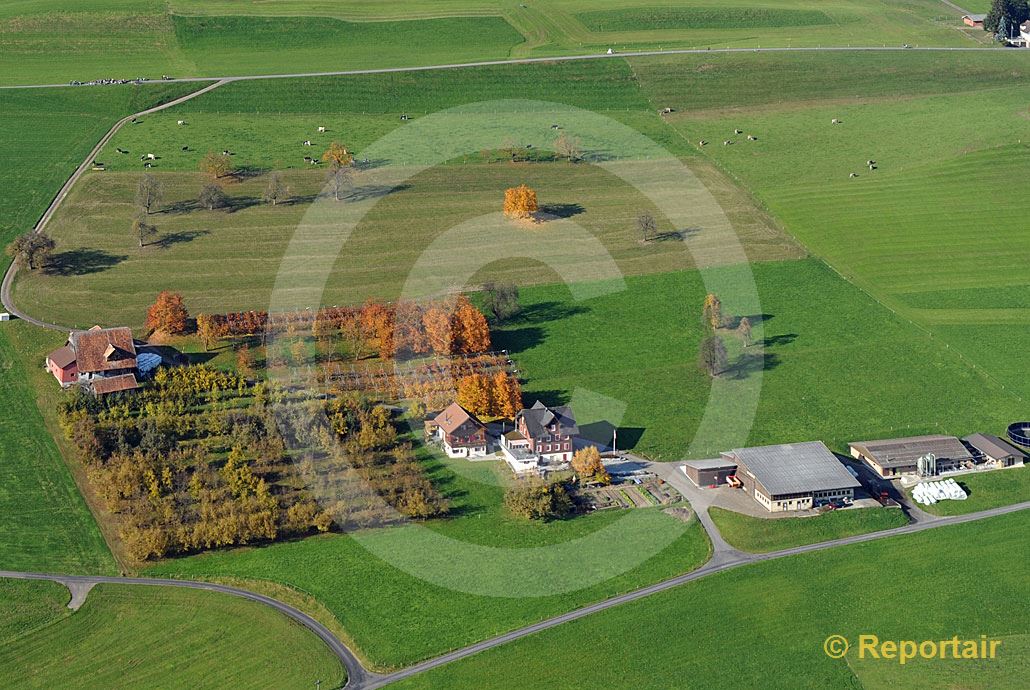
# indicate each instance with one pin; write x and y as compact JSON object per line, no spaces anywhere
{"x":361,"y":679}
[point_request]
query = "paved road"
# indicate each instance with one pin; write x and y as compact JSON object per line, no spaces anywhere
{"x":79,"y":586}
{"x":361,"y":679}
{"x":5,"y":287}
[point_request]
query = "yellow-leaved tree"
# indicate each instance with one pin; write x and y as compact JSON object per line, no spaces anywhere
{"x":520,"y":202}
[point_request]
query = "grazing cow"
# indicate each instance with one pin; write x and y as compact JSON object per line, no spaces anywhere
{"x":853,"y":175}
{"x":752,"y":137}
{"x":834,"y":121}
{"x":872,"y":167}
{"x":180,"y":122}
{"x":321,"y":129}
{"x":307,"y":159}
{"x":151,"y":157}
{"x":727,"y":142}
{"x":148,"y":165}
{"x":555,"y":126}
{"x":121,"y":150}
{"x":307,"y":142}
{"x":702,"y":143}
{"x":185,"y":148}
{"x":870,"y":162}
{"x":225,"y":152}
{"x":738,"y":131}
{"x":314,"y":161}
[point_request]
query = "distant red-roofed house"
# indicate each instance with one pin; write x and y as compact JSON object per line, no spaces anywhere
{"x":103,"y":359}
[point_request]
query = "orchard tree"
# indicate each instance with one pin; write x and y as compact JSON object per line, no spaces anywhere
{"x":586,"y":462}
{"x":647,"y":226}
{"x":470,"y":327}
{"x":535,"y":499}
{"x":216,"y":165}
{"x":711,"y":312}
{"x":276,"y":190}
{"x":212,"y":196}
{"x":32,"y":249}
{"x":568,"y":147}
{"x":713,"y":359}
{"x":437,"y":323}
{"x":520,"y":202}
{"x":474,"y":394}
{"x":142,"y":230}
{"x":506,"y":396}
{"x":208,"y":329}
{"x":168,"y":314}
{"x":744,"y":331}
{"x":338,"y":156}
{"x":149,"y":194}
{"x":501,"y":300}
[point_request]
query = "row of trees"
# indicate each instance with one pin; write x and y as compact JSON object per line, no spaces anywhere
{"x":1005,"y":16}
{"x":713,"y":358}
{"x":499,"y":395}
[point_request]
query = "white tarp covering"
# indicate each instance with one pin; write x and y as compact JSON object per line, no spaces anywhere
{"x":929,"y":493}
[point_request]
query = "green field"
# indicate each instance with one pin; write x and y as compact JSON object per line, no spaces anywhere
{"x":775,"y":617}
{"x":50,"y":42}
{"x":920,"y":233}
{"x":47,"y":525}
{"x":760,"y":535}
{"x":987,"y":490}
{"x":398,"y":603}
{"x":836,"y":363}
{"x":126,"y":636}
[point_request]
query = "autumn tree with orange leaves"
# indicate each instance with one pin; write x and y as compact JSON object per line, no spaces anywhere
{"x":168,"y":314}
{"x":520,"y":202}
{"x":474,"y":394}
{"x":506,"y":396}
{"x":377,"y":324}
{"x":470,"y":328}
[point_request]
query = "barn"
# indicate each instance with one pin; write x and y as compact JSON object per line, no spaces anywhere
{"x":921,"y":455}
{"x":712,"y":472}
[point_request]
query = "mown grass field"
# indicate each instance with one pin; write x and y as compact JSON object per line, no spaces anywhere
{"x":153,"y":637}
{"x":987,"y":490}
{"x":50,"y":42}
{"x":922,"y":232}
{"x":760,"y":535}
{"x":777,"y":616}
{"x":407,"y":593}
{"x":836,"y":363}
{"x":47,"y":525}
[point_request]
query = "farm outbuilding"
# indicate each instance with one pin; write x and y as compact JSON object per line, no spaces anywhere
{"x":709,"y":472}
{"x":987,"y":448}
{"x":792,"y":476}
{"x":923,"y":455}
{"x":974,"y":20}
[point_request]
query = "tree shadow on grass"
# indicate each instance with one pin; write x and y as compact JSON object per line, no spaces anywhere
{"x":173,"y":238}
{"x":375,"y":191}
{"x":78,"y":262}
{"x":548,"y":311}
{"x":781,"y":339}
{"x":561,"y":210}
{"x":753,"y":319}
{"x":239,"y":203}
{"x":602,"y":432}
{"x":551,"y":398}
{"x":518,"y":339}
{"x":750,"y":362}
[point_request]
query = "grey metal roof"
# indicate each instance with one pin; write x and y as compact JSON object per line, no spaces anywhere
{"x":993,"y":447}
{"x":977,"y":17}
{"x":899,"y":452}
{"x":713,"y":464}
{"x":540,"y":416}
{"x":793,"y":468}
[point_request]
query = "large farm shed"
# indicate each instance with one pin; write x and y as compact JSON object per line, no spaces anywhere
{"x":709,"y":472}
{"x":987,"y":448}
{"x":893,"y":457}
{"x":792,"y":476}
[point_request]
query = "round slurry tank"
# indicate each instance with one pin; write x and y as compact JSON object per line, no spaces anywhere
{"x":1019,"y":432}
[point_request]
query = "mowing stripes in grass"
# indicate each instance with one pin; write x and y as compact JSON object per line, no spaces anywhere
{"x":760,"y":535}
{"x":655,"y":18}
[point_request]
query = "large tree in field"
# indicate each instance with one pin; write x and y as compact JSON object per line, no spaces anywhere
{"x":216,"y":165}
{"x":32,"y":249}
{"x":276,"y":190}
{"x":168,"y":314}
{"x":713,"y":359}
{"x":474,"y":394}
{"x":340,"y":161}
{"x":377,"y":324}
{"x":586,"y":462}
{"x":520,"y":202}
{"x":535,"y":499}
{"x":744,"y":331}
{"x":148,"y":194}
{"x":470,"y":327}
{"x":212,"y":196}
{"x":142,"y":230}
{"x":501,"y":300}
{"x":568,"y":147}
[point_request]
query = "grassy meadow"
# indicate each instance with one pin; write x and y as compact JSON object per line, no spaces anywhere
{"x":836,"y":363}
{"x":777,"y":615}
{"x":50,"y":42}
{"x":986,"y":490}
{"x":761,"y":535}
{"x":148,"y":637}
{"x":407,"y":593}
{"x":922,"y":232}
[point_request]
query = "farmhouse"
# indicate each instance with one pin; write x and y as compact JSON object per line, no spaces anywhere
{"x":975,"y":20}
{"x":792,"y":476}
{"x":922,"y":455}
{"x":460,"y":432}
{"x":102,"y":359}
{"x":986,"y":448}
{"x":543,"y":438}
